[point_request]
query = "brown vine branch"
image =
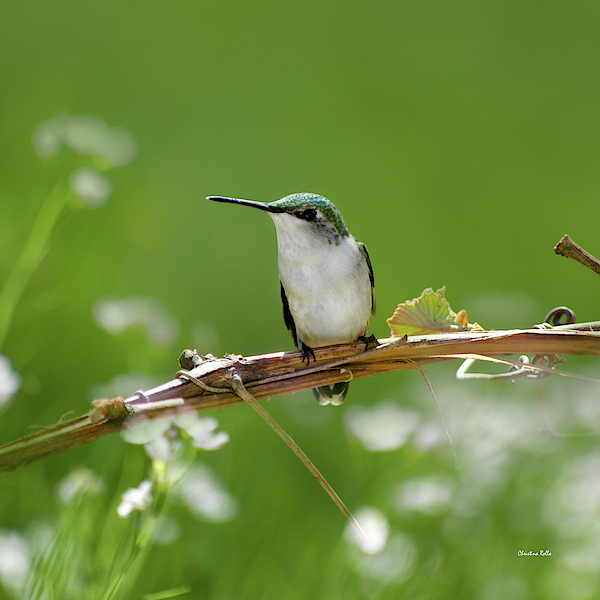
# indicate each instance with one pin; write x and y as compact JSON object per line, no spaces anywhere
{"x":568,"y":248}
{"x":281,"y":373}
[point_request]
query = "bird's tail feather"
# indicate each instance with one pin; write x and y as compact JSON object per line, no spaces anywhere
{"x":331,"y":394}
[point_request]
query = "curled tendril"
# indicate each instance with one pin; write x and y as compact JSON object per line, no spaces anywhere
{"x":561,"y":315}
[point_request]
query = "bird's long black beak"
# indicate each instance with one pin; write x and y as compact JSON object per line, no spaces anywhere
{"x":261,"y":205}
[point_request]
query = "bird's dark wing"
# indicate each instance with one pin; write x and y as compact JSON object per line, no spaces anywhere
{"x":287,"y":316}
{"x":364,"y":250}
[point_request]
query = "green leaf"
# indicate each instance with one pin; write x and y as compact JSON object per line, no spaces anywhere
{"x":429,"y":313}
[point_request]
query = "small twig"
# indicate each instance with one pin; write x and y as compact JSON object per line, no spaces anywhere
{"x":184,"y":374}
{"x":237,"y":386}
{"x":430,"y":388}
{"x":524,"y":370}
{"x":567,"y":247}
{"x":31,"y":256}
{"x":518,"y":364}
{"x":155,"y":406}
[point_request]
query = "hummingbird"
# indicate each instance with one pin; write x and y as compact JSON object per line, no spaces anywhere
{"x":325,"y":274}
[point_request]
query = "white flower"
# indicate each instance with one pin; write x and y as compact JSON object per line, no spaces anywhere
{"x":202,"y":429}
{"x":195,"y":425}
{"x":10,"y":381}
{"x":163,"y":449}
{"x":117,"y":315}
{"x":147,"y":432}
{"x":90,"y":186}
{"x":375,"y":526}
{"x":138,"y":498}
{"x":204,"y":496}
{"x":396,"y":562}
{"x":383,"y":427}
{"x":430,"y":494}
{"x":87,"y":135}
{"x":211,"y":440}
{"x":80,"y":481}
{"x":166,"y":531}
{"x":15,"y":561}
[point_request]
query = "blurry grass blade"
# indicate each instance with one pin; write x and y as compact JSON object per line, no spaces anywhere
{"x":32,"y":255}
{"x":183,"y":589}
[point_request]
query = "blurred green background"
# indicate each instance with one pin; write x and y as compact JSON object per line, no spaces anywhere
{"x":460,"y":141}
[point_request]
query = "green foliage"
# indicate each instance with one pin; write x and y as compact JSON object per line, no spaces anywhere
{"x":96,"y":549}
{"x":429,"y":313}
{"x":460,"y":143}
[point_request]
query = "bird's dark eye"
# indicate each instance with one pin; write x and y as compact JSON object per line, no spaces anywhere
{"x":308,"y":215}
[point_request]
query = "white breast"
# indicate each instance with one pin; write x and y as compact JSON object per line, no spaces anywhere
{"x":327,"y":284}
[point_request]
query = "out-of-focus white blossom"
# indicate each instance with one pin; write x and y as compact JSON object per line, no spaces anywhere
{"x":396,"y":562}
{"x":90,"y":186}
{"x":163,"y":449}
{"x":15,"y":561}
{"x":10,"y":381}
{"x":382,"y":427}
{"x":87,"y":135}
{"x":193,"y":424}
{"x":202,"y":429}
{"x":116,"y":315}
{"x":429,"y":435}
{"x":166,"y":531}
{"x":430,"y":494}
{"x":211,"y":440}
{"x":571,"y":510}
{"x":486,"y":426}
{"x":375,"y":526}
{"x":204,"y":496}
{"x":501,"y":585}
{"x":168,"y":463}
{"x":78,"y":482}
{"x":145,"y":433}
{"x":489,"y":432}
{"x":47,"y":138}
{"x":138,"y":498}
{"x":124,"y":384}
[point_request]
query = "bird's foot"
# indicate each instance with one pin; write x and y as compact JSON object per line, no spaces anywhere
{"x":370,"y":341}
{"x":307,"y":352}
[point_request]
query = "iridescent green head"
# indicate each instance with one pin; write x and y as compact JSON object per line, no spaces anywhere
{"x":303,"y":205}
